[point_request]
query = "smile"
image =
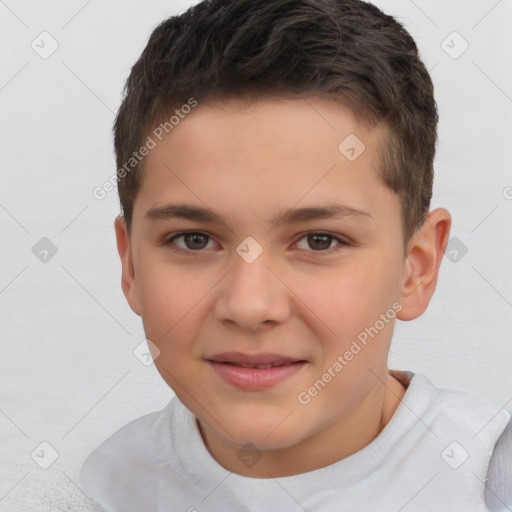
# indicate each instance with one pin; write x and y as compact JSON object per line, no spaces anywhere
{"x":256,"y":372}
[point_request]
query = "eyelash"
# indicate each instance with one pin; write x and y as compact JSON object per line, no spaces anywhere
{"x":342,"y":243}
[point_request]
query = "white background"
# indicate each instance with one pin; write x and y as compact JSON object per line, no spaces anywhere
{"x":68,"y":375}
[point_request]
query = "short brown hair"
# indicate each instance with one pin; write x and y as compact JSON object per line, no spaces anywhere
{"x":345,"y":50}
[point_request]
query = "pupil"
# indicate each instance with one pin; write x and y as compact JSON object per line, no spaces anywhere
{"x":194,"y":237}
{"x":325,"y":239}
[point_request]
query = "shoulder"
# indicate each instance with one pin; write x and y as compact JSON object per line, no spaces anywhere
{"x":122,"y":472}
{"x":471,"y":412}
{"x":474,"y":416}
{"x":498,"y":488}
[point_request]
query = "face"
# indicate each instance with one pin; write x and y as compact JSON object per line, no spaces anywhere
{"x":226,"y":290}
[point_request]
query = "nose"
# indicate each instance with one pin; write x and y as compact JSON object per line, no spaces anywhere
{"x":252,"y":296}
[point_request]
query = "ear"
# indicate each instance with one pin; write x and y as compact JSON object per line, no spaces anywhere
{"x":128,"y":279}
{"x":424,"y":255}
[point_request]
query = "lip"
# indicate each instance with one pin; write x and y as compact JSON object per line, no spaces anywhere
{"x":255,"y":379}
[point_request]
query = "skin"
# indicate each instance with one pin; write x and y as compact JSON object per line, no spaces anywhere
{"x":298,"y":298}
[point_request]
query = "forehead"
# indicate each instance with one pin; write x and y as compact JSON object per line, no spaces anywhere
{"x":275,"y":125}
{"x":272,"y":151}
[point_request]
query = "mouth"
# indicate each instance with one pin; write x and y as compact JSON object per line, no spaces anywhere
{"x":260,"y":361}
{"x":255,"y":372}
{"x":258,"y":366}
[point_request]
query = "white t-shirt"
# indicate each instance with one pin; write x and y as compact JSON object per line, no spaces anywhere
{"x":432,"y":456}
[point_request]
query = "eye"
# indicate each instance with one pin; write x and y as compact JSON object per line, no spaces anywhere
{"x":193,"y":241}
{"x":320,"y":242}
{"x":196,"y":242}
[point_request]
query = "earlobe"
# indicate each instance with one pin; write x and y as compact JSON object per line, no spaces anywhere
{"x":128,"y":279}
{"x":424,"y":256}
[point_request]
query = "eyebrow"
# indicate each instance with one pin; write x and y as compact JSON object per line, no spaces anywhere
{"x":288,"y":216}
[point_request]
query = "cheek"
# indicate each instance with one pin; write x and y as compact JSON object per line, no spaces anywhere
{"x":348,"y":303}
{"x":348,"y":296}
{"x":171,"y":298}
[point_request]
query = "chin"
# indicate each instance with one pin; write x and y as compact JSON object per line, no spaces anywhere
{"x":263,"y":437}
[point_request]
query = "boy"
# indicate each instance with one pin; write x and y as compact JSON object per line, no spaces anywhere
{"x":292,"y":141}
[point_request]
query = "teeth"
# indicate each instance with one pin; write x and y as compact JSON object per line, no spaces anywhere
{"x":259,"y":366}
